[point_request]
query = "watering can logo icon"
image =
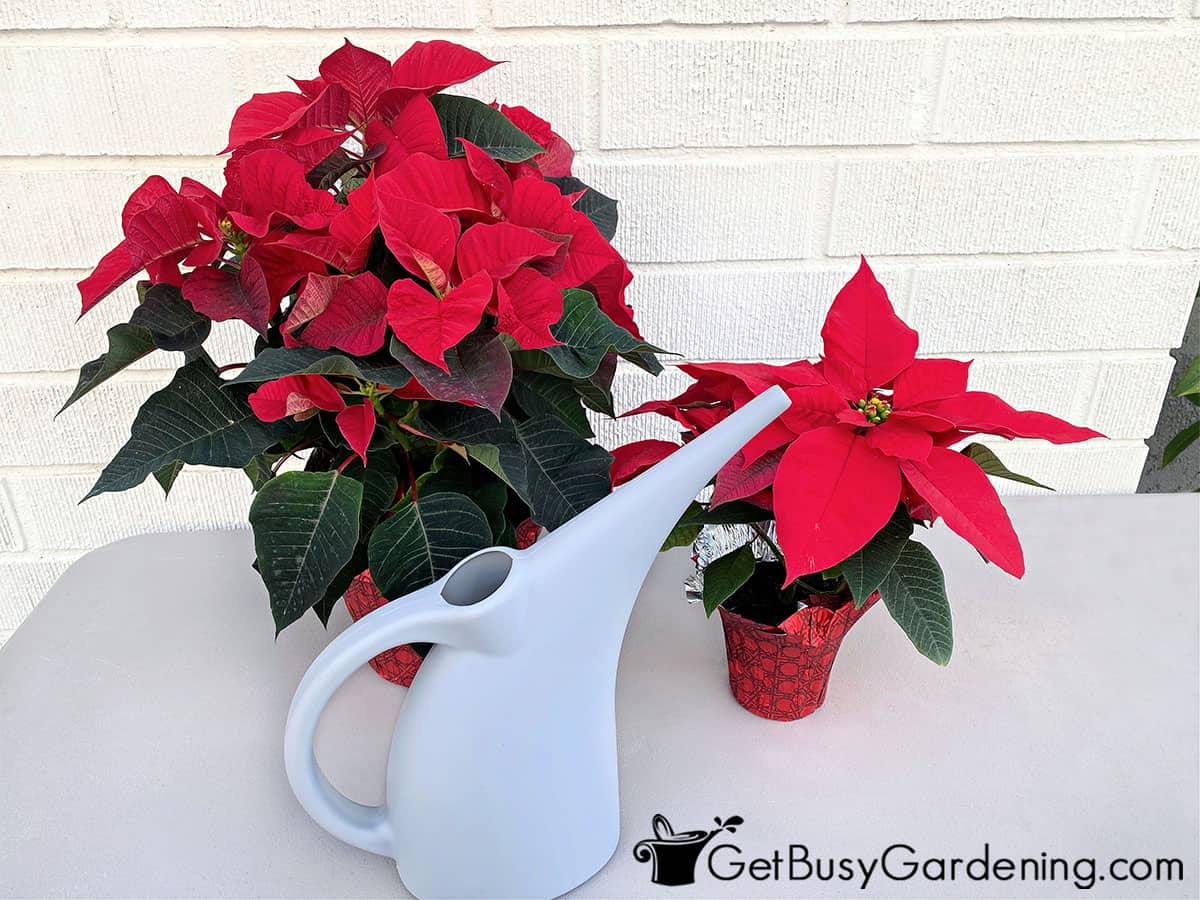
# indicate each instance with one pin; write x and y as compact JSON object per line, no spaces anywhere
{"x":675,"y":855}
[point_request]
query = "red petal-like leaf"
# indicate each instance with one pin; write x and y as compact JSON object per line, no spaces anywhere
{"x":445,"y":184}
{"x":833,"y":492}
{"x":490,"y":174}
{"x":528,"y":304}
{"x":324,"y":247}
{"x":429,"y":326}
{"x":866,"y":343}
{"x":633,"y":459}
{"x":919,"y":419}
{"x":414,"y":129}
{"x":556,"y":160}
{"x":958,"y":490}
{"x":283,"y":266}
{"x":265,"y":116}
{"x":500,"y":249}
{"x":354,"y":226}
{"x":311,"y":300}
{"x":421,"y":238}
{"x":929,"y":379}
{"x":364,"y":75}
{"x":222,"y":294}
{"x":900,"y":439}
{"x":609,"y":285}
{"x":273,"y":184}
{"x":357,"y":425}
{"x":737,"y":481}
{"x":539,"y":205}
{"x":354,"y":319}
{"x":114,"y":269}
{"x":295,"y":395}
{"x":981,"y":411}
{"x":432,"y":66}
{"x":330,"y":109}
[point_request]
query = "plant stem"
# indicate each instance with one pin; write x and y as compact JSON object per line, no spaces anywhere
{"x":303,"y":445}
{"x":232,"y":366}
{"x":766,"y":539}
{"x":345,"y":462}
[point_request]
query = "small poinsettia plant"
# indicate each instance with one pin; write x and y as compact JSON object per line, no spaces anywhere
{"x":825,"y":499}
{"x":435,"y":302}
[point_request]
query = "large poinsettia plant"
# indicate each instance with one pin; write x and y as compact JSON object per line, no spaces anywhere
{"x":435,"y":300}
{"x":872,"y":444}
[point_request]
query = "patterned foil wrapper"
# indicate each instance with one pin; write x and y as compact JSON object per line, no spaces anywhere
{"x":398,"y":665}
{"x":715,"y":541}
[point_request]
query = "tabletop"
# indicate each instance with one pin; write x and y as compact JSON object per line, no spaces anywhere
{"x":142,"y":708}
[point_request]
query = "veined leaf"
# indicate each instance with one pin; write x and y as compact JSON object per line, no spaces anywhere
{"x":480,"y":372}
{"x":422,"y":541}
{"x":170,"y":319}
{"x":305,"y":531}
{"x":593,"y":204}
{"x":276,"y":362}
{"x":865,"y":570}
{"x":126,"y":345}
{"x":990,"y":463}
{"x":915,"y":595}
{"x":485,"y":127}
{"x":586,"y":335}
{"x":166,"y":476}
{"x":540,"y":394}
{"x":725,"y":574}
{"x":191,"y":421}
{"x":1180,"y":442}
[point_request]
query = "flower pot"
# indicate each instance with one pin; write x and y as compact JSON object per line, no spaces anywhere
{"x":398,"y":665}
{"x":782,"y":672}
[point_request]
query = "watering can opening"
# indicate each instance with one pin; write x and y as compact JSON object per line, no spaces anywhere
{"x":477,"y":577}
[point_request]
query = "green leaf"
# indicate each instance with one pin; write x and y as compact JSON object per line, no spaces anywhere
{"x":1180,"y":442}
{"x":259,"y":469}
{"x":725,"y":574}
{"x":485,"y":127}
{"x":539,"y":394}
{"x":379,"y":492}
{"x":865,"y":570}
{"x":686,"y":530}
{"x":596,"y":391}
{"x":593,"y":204}
{"x":422,"y":541}
{"x":586,"y":335}
{"x":990,"y":463}
{"x":1189,"y":382}
{"x":450,"y":473}
{"x":166,"y":476}
{"x":735,"y":512}
{"x":126,"y":344}
{"x":915,"y":595}
{"x":358,"y":563}
{"x":277,"y":362}
{"x":192,"y":421}
{"x":171,"y":321}
{"x":480,"y":372}
{"x":305,"y":531}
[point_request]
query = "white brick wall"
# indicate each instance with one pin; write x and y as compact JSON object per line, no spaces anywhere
{"x":1023,"y":174}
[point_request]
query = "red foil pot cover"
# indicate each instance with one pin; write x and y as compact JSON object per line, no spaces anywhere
{"x":782,"y":672}
{"x":398,"y":665}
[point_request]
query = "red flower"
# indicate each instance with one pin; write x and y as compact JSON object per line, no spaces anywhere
{"x":869,"y":426}
{"x":301,"y":396}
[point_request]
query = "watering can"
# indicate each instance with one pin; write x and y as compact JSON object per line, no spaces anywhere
{"x":502,"y":777}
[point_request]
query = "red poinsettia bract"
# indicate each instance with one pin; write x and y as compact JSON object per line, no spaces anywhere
{"x":870,"y":426}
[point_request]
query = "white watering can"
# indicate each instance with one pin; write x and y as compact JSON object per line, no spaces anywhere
{"x":502,"y":778}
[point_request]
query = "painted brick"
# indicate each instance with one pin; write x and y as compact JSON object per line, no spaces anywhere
{"x":23,"y":584}
{"x":767,"y":313}
{"x":989,"y":205}
{"x":1026,"y":88}
{"x":69,"y":219}
{"x":133,"y":99}
{"x":933,"y":10}
{"x":760,"y":93}
{"x":300,"y":14}
{"x":523,"y":13}
{"x":1095,"y":467}
{"x":1129,"y":395}
{"x":676,"y":210}
{"x":1173,"y":218}
{"x":51,"y":517}
{"x":1052,"y":306}
{"x":556,"y":81}
{"x":10,"y":538}
{"x":4,"y":636}
{"x":30,"y":14}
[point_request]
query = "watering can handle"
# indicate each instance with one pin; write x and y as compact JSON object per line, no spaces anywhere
{"x":423,"y":615}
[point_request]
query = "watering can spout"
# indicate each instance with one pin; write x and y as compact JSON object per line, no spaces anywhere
{"x":632,"y":523}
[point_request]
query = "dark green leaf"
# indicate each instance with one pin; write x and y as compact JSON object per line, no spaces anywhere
{"x":915,"y":595}
{"x":1189,"y":382}
{"x":540,"y":394}
{"x":170,"y":319}
{"x":593,"y":204}
{"x":166,"y":476}
{"x":1180,"y":442}
{"x":480,"y":372}
{"x":305,"y":530}
{"x":193,"y":421}
{"x":586,"y":335}
{"x":725,"y":574}
{"x":358,"y":564}
{"x":990,"y":463}
{"x":126,"y":344}
{"x":450,"y":473}
{"x":276,"y":362}
{"x":686,"y":530}
{"x":422,"y":541}
{"x":379,"y":492}
{"x":485,"y":127}
{"x":259,"y":469}
{"x":865,"y":570}
{"x":564,"y":474}
{"x":735,"y":512}
{"x":596,"y":391}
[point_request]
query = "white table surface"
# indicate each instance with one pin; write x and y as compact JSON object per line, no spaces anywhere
{"x":142,"y":706}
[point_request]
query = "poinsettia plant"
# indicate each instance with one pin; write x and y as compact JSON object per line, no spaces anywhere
{"x":826,"y":498}
{"x":435,"y":300}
